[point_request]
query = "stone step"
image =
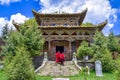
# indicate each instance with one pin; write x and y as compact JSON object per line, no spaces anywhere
{"x":52,"y":69}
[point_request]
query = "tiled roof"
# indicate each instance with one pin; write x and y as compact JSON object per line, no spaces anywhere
{"x":81,"y":16}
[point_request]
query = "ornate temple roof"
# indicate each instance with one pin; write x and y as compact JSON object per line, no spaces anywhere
{"x":39,"y":16}
{"x":99,"y":26}
{"x":81,"y":16}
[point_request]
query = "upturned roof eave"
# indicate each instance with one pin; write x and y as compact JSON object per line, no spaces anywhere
{"x":80,"y":15}
{"x":62,"y":14}
{"x":99,"y":26}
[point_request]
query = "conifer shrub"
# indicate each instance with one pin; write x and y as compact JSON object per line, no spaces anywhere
{"x":113,"y":43}
{"x":19,"y":49}
{"x":117,"y":70}
{"x":20,"y":67}
{"x":102,"y":53}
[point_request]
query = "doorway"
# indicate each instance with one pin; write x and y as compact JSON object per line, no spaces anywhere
{"x":60,"y":48}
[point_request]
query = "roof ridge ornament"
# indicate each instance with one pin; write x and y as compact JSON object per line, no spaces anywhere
{"x":59,"y":12}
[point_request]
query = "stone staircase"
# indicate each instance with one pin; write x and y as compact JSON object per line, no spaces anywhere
{"x":52,"y":69}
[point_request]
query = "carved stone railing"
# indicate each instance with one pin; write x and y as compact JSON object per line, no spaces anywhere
{"x":75,"y":61}
{"x":44,"y":62}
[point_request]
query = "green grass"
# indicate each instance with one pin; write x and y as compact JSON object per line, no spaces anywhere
{"x":92,"y":76}
{"x":2,"y":75}
{"x":107,"y":76}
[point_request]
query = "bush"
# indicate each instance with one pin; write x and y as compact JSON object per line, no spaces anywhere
{"x":84,"y":50}
{"x":113,"y":43}
{"x":30,"y":37}
{"x":20,"y":67}
{"x":108,"y":64}
{"x":32,"y":40}
{"x":102,"y":53}
{"x":19,"y":49}
{"x":105,"y":57}
{"x":118,"y":68}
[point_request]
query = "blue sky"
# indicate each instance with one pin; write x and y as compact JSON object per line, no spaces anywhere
{"x":24,"y":7}
{"x":98,"y":11}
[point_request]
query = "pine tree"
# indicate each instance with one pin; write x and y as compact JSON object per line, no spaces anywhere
{"x":30,"y":23}
{"x":30,"y":37}
{"x":18,"y":64}
{"x":113,"y":43}
{"x":5,"y":32}
{"x":19,"y":49}
{"x":100,"y":42}
{"x":118,"y":68}
{"x":20,"y":67}
{"x":102,"y":53}
{"x":33,"y":40}
{"x":14,"y":40}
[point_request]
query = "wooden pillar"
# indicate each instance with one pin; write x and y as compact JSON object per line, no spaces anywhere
{"x":70,"y":50}
{"x":77,"y":22}
{"x":49,"y":46}
{"x":70,"y":46}
{"x":41,"y":23}
{"x":49,"y":54}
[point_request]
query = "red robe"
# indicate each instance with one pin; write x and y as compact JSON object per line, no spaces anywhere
{"x":62,"y":56}
{"x":62,"y":59}
{"x":57,"y":56}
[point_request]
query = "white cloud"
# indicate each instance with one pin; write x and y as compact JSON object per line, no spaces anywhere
{"x":107,"y":29}
{"x":3,"y":21}
{"x":110,"y":25}
{"x":18,"y":18}
{"x":7,"y":2}
{"x":98,"y":10}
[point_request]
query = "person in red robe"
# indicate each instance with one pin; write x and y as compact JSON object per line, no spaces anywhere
{"x":62,"y":58}
{"x":57,"y":56}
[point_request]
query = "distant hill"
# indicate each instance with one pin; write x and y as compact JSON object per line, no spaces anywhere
{"x":118,"y":35}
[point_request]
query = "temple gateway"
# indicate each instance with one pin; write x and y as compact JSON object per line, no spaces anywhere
{"x":63,"y":32}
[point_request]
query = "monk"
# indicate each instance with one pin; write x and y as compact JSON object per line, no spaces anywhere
{"x":62,"y":58}
{"x":57,"y":56}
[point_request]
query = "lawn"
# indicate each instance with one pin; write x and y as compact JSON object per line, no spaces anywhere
{"x":107,"y":76}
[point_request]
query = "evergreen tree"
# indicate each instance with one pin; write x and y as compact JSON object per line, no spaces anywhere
{"x":20,"y":67}
{"x":14,"y":40}
{"x":5,"y":32}
{"x":18,"y":64}
{"x":19,"y":49}
{"x":113,"y":43}
{"x":30,"y":23}
{"x":118,"y":68}
{"x":33,"y":40}
{"x":30,"y":37}
{"x":100,"y":42}
{"x":102,"y":53}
